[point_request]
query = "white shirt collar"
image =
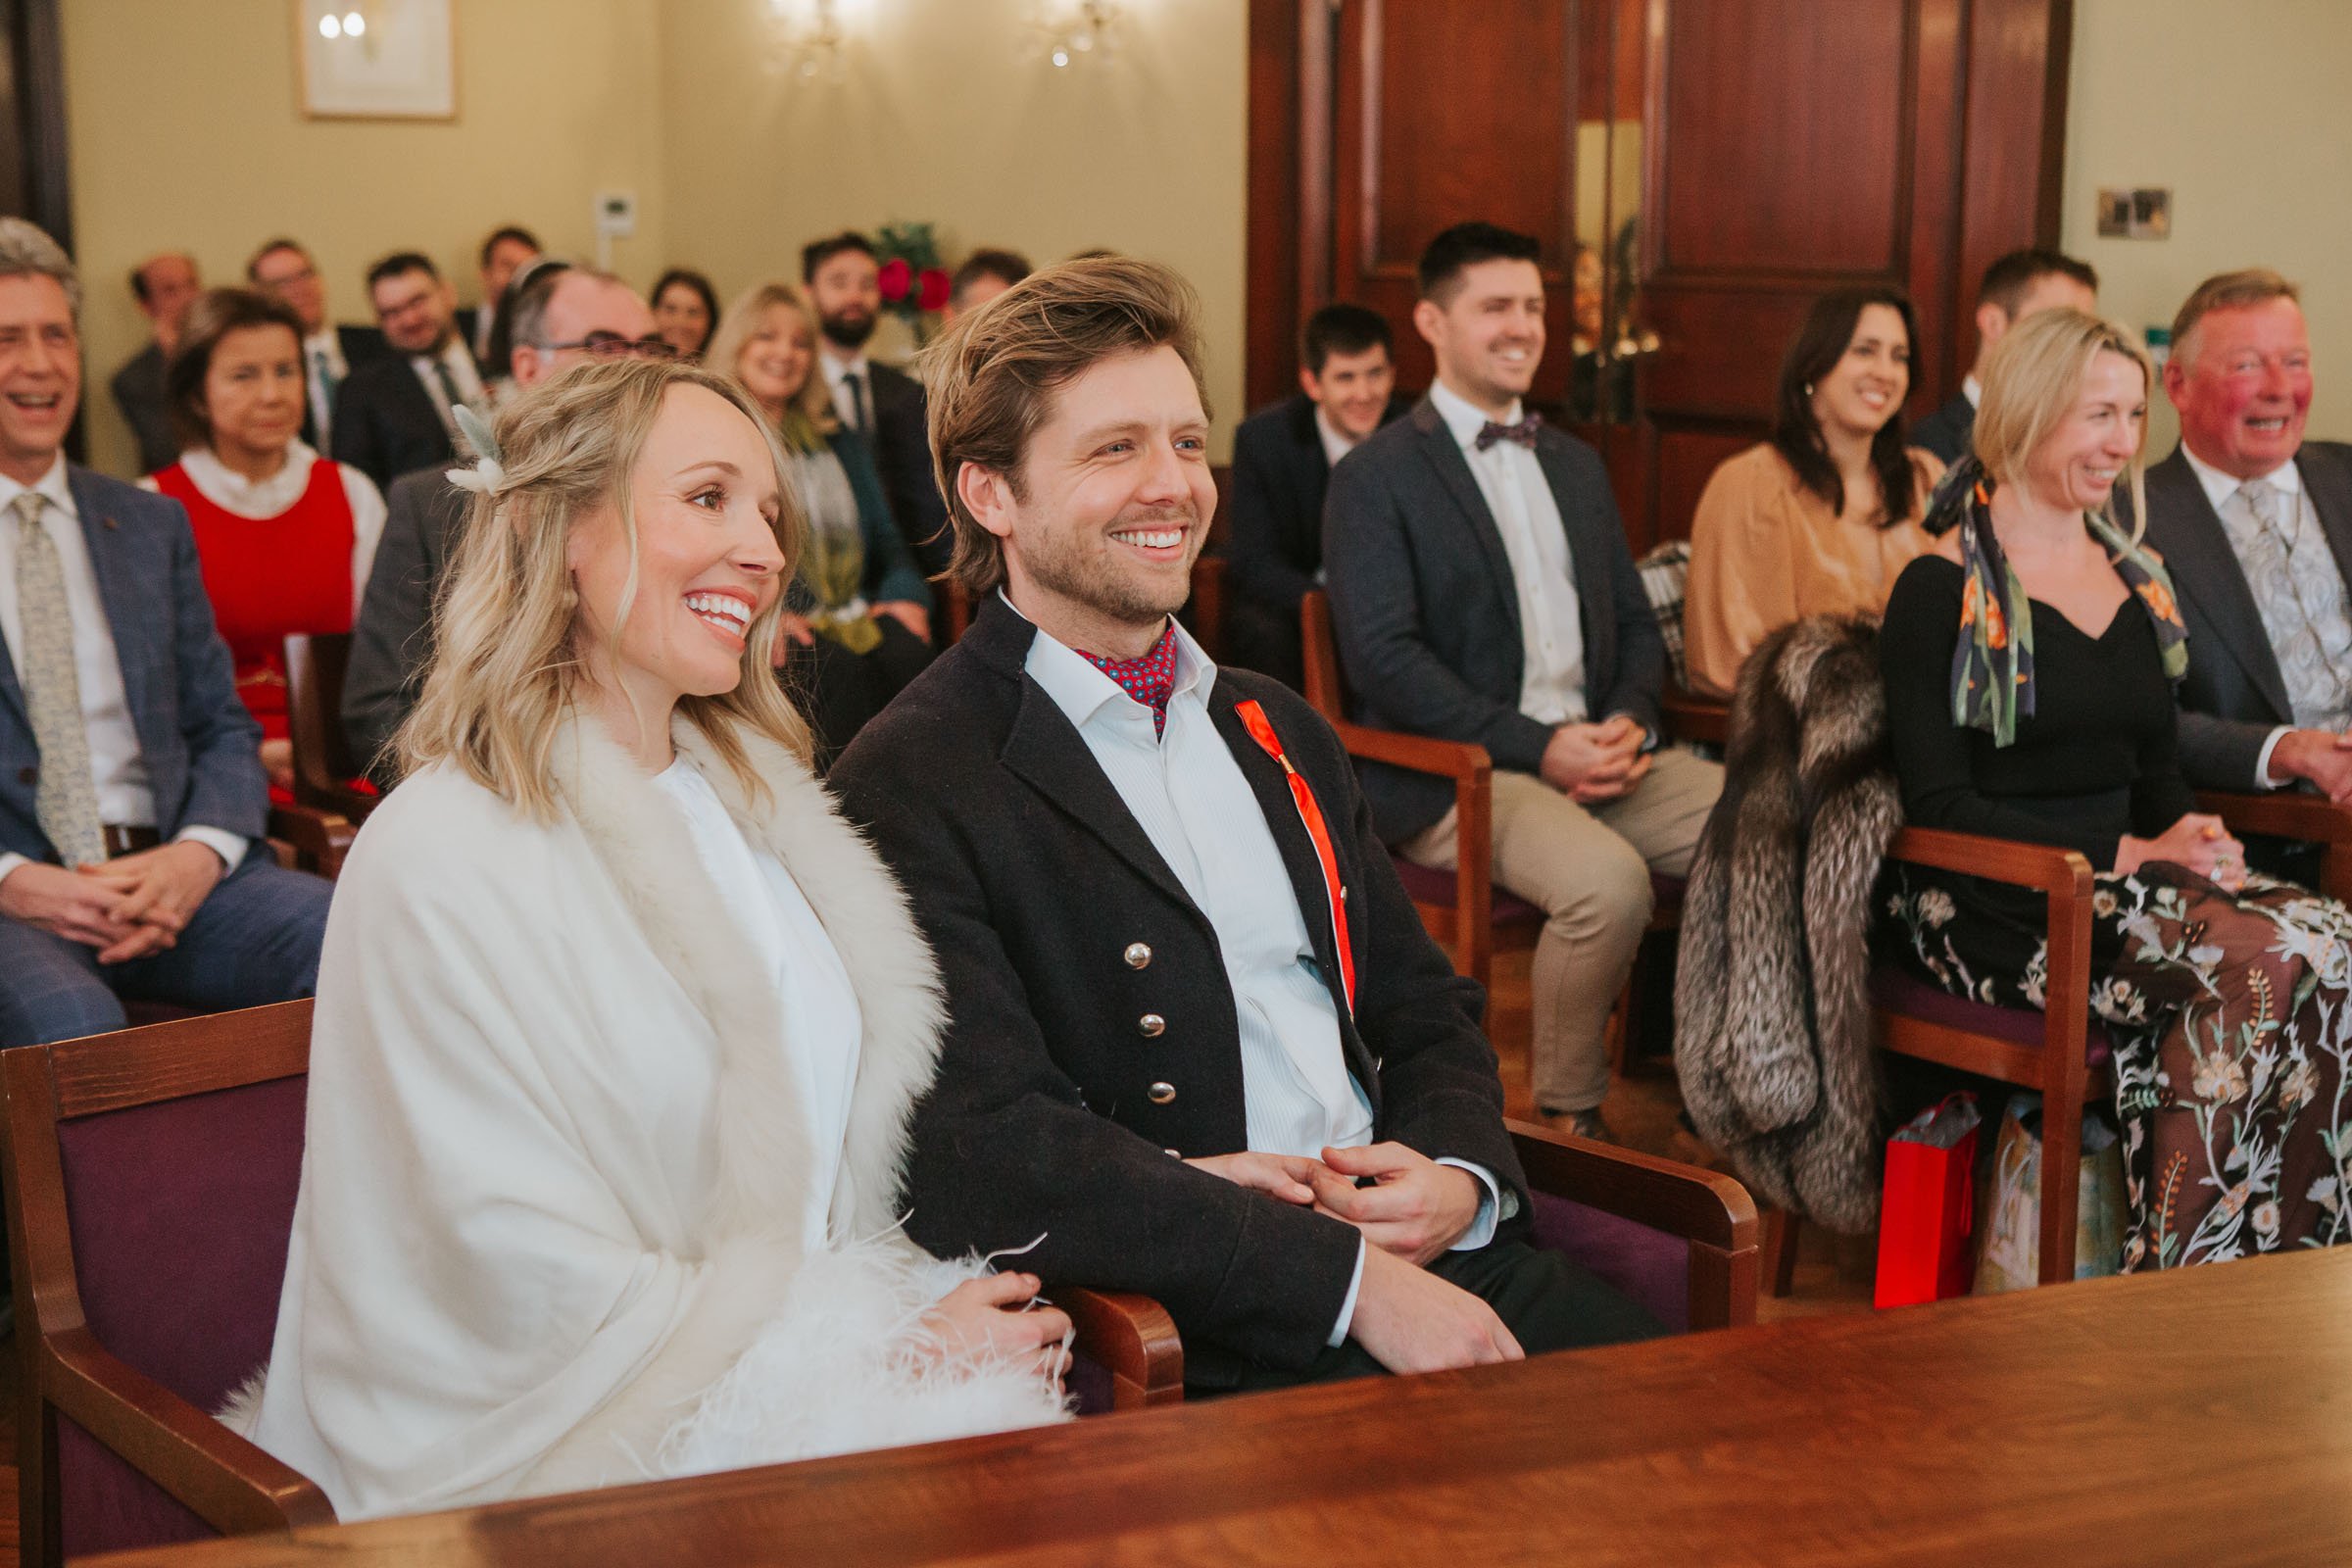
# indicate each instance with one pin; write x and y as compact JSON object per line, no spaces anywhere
{"x":2220,"y":486}
{"x":1464,"y":420}
{"x":51,"y":485}
{"x":257,"y":499}
{"x":835,"y":369}
{"x":1334,"y":444}
{"x":1974,"y":390}
{"x":1081,"y":691}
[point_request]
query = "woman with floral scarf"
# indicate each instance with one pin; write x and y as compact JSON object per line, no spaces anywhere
{"x":2029,"y":666}
{"x":859,"y":625}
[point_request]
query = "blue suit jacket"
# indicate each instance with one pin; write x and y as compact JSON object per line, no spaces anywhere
{"x":202,"y":747}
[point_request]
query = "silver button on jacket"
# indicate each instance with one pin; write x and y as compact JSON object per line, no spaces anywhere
{"x":1137,"y":955}
{"x":1151,"y":1026}
{"x":1162,"y":1093}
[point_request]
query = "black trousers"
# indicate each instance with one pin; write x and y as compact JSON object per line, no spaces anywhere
{"x":1547,"y":1302}
{"x":838,"y":691}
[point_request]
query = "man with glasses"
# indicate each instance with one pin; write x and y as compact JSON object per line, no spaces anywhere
{"x":288,"y":274}
{"x":394,"y":414}
{"x":562,"y":316}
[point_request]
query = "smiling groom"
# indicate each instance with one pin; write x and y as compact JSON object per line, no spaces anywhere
{"x":1200,"y":1045}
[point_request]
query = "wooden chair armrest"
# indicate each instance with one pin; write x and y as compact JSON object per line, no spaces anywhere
{"x":2063,"y":872}
{"x":230,"y":1483}
{"x":1130,"y":1335}
{"x":320,"y":837}
{"x":1666,"y":1195}
{"x":1459,"y":760}
{"x":1692,"y":717}
{"x":2287,"y":814}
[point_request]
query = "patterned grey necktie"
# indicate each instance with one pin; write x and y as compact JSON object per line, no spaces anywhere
{"x":66,"y":803}
{"x":2315,"y":687}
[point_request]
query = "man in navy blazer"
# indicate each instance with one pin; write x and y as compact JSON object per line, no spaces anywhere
{"x":132,"y":791}
{"x":1481,"y":590}
{"x":1282,"y":457}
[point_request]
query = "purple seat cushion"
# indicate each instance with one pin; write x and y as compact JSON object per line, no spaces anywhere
{"x":1648,"y":1265}
{"x":1089,"y":1384}
{"x":1899,"y":992}
{"x":105,"y":1505}
{"x":180,"y":1214}
{"x":1426,"y":885}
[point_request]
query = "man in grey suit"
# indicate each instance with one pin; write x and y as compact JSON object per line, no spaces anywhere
{"x":1481,"y":590}
{"x":132,"y":792}
{"x":2256,"y":524}
{"x":562,"y":317}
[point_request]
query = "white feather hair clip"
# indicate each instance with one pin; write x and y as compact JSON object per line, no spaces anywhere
{"x":488,"y":475}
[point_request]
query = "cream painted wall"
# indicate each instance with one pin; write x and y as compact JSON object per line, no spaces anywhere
{"x":950,"y":113}
{"x":185,"y":131}
{"x":2239,"y":108}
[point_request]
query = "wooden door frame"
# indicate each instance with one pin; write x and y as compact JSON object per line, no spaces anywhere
{"x":36,"y":39}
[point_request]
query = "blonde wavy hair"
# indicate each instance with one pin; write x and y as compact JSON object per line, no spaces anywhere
{"x":2033,"y":378}
{"x":507,"y":668}
{"x":737,"y":328}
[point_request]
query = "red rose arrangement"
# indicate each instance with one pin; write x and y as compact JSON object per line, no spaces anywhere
{"x":914,"y":285}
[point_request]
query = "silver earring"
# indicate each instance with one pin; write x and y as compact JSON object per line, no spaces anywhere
{"x":1808,"y":389}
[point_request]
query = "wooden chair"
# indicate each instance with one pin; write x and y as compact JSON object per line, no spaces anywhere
{"x":323,"y":766}
{"x":151,"y":1176}
{"x":1680,"y":1241}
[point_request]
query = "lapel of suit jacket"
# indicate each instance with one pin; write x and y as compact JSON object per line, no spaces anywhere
{"x":2204,"y":568}
{"x":1444,"y":455}
{"x":11,"y":693}
{"x":131,"y":605}
{"x":2330,"y":490}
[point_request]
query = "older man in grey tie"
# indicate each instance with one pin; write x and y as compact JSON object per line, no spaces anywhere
{"x":132,"y":791}
{"x":2255,"y":522}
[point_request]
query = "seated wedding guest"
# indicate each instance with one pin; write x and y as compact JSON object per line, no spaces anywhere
{"x":163,"y":285}
{"x":1481,"y":590}
{"x":983,"y":274}
{"x":392,"y":415}
{"x":2031,"y":664}
{"x":1178,"y":1045}
{"x":284,"y":536}
{"x":1282,"y":457}
{"x":858,"y":614}
{"x":560,"y":318}
{"x":882,"y":404}
{"x":648,"y":1017}
{"x":131,"y":796}
{"x":2013,"y":287}
{"x":1818,"y":519}
{"x":505,"y":252}
{"x":498,"y":364}
{"x":285,"y":271}
{"x":685,"y":310}
{"x":2257,"y":523}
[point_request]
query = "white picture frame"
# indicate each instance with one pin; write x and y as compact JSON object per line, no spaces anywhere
{"x":399,"y":64}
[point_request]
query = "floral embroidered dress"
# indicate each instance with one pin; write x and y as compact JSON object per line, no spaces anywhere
{"x":2228,"y":1013}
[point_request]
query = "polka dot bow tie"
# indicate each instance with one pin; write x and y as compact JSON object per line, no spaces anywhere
{"x":1148,"y":680}
{"x":1523,"y":432}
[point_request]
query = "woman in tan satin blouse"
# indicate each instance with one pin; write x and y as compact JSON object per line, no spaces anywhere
{"x":1821,"y":518}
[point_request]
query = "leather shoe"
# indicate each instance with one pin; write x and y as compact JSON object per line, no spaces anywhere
{"x":1583,"y":1123}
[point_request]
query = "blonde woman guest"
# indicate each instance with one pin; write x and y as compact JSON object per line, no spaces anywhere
{"x":2029,"y":666}
{"x":858,"y":619}
{"x":285,"y":537}
{"x":1821,"y":518}
{"x":619,"y":1027}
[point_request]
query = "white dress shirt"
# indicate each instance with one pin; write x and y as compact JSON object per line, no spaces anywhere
{"x":259,"y":500}
{"x":2221,"y":489}
{"x":1334,"y":444}
{"x":117,"y":766}
{"x":461,"y":370}
{"x":822,"y":1024}
{"x":1552,"y":622}
{"x":322,"y":359}
{"x":1193,"y":803}
{"x":844,"y":405}
{"x":1973,"y":389}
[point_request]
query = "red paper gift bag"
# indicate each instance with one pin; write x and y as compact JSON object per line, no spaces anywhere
{"x":1929,"y":1204}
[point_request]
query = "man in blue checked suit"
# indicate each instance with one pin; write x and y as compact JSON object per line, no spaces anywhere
{"x":132,"y":791}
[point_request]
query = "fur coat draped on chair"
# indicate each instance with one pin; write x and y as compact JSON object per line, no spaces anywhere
{"x":1772,"y":1001}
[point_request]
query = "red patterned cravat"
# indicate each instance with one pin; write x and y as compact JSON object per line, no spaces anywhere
{"x":1148,"y":679}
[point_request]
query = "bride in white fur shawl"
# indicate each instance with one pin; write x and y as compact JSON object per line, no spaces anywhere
{"x":620,"y":1026}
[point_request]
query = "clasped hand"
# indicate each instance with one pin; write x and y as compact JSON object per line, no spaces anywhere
{"x":2198,"y":841}
{"x":1595,"y":763}
{"x":1415,"y":1207}
{"x":132,"y":906}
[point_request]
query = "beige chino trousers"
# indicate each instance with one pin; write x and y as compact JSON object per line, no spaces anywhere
{"x":1588,"y":869}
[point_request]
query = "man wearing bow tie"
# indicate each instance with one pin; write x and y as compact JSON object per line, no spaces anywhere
{"x":1481,"y":590}
{"x":1199,"y":1045}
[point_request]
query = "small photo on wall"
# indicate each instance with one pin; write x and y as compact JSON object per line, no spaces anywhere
{"x":376,"y":59}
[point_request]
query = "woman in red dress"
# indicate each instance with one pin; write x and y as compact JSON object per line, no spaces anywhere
{"x":284,"y":536}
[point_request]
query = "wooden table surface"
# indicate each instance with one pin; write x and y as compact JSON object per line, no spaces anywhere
{"x":2198,"y":1417}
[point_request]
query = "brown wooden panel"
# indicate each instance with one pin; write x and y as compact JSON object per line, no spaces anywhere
{"x":1783,"y":141}
{"x":1718,"y":349}
{"x":1276,"y":226}
{"x":2016,"y":135}
{"x":1686,"y":457}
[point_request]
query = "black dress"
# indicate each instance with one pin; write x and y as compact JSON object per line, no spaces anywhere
{"x":2228,"y":1011}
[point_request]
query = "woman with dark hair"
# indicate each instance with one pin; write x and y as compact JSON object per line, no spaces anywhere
{"x":284,"y":536}
{"x":1821,"y":518}
{"x":685,"y":310}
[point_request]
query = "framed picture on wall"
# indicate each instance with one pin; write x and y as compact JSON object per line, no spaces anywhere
{"x":376,"y":59}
